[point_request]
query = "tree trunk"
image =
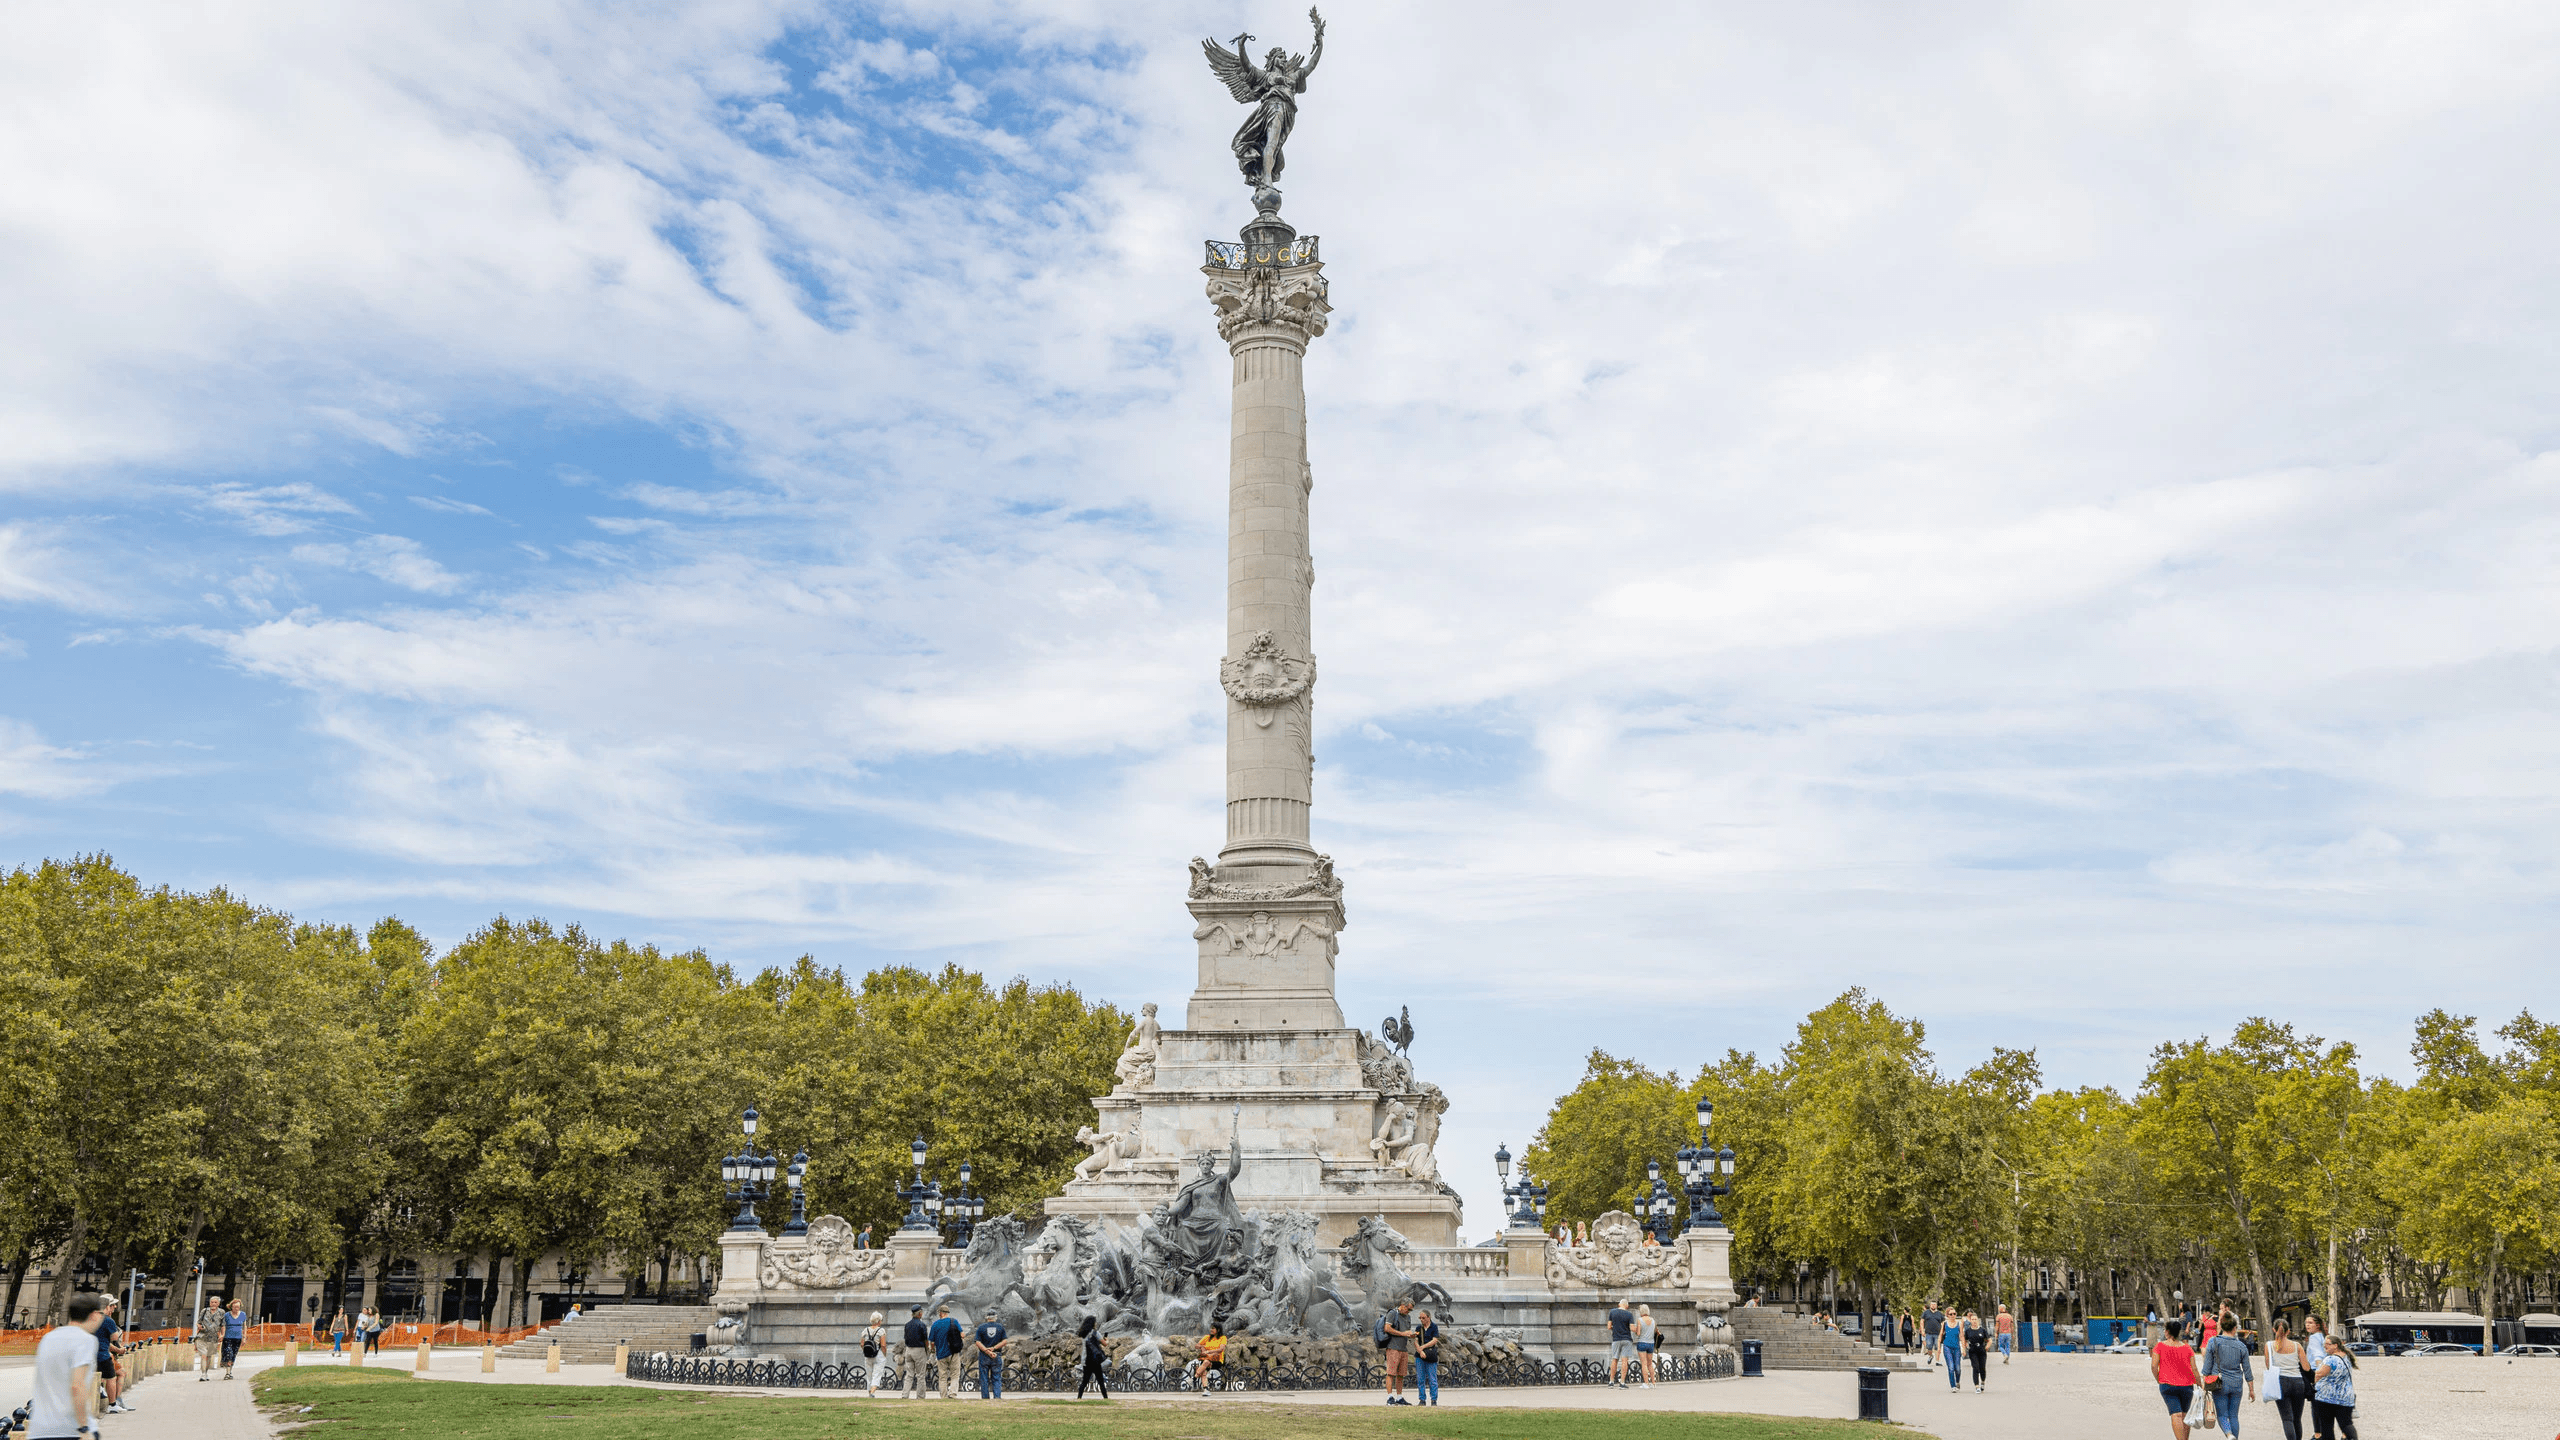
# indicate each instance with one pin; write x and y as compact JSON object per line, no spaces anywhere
{"x":59,"y":1299}
{"x":17,"y":1278}
{"x":524,"y":1290}
{"x":2489,"y":1300}
{"x":2331,"y":1314}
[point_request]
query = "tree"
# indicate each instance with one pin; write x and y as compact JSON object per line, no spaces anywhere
{"x":2479,"y":1193}
{"x":2197,"y":1104}
{"x":1592,"y":1151}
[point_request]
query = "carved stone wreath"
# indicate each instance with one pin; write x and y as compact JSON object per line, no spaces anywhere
{"x":1617,"y":1259}
{"x":829,"y":1262}
{"x":1264,"y":676}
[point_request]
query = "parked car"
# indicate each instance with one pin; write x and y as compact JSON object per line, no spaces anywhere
{"x":2130,"y":1345}
{"x":2548,"y":1352}
{"x":2363,"y":1347}
{"x":2442,"y":1350}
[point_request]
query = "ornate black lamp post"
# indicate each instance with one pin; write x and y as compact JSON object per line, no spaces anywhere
{"x":1525,"y":1205}
{"x":966,"y":1207}
{"x":1701,"y":1166}
{"x":933,"y":1209}
{"x":749,"y":1176}
{"x":796,"y":1176}
{"x":1658,"y":1204}
{"x":916,"y":1217}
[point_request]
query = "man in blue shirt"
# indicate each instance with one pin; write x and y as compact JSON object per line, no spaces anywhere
{"x":108,"y":1330}
{"x":988,"y":1341}
{"x":946,"y":1351}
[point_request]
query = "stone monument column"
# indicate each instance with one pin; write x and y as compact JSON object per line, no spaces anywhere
{"x":1268,"y":912}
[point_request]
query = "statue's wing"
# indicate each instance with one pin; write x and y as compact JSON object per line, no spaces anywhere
{"x":1233,"y":68}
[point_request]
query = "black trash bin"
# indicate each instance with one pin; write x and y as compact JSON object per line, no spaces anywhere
{"x":1871,"y":1392}
{"x":1750,"y":1357}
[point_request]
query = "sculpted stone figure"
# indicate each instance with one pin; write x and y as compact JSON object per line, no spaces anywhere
{"x":1137,"y":1064}
{"x":1272,"y":89}
{"x":1203,"y":1221}
{"x":1395,"y":1131}
{"x":1110,"y":1147}
{"x":829,"y":1263}
{"x":1617,"y":1259}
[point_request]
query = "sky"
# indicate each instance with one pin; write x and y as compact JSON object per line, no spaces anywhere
{"x":2048,"y":512}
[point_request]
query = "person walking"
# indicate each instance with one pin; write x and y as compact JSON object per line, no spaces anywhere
{"x":1908,"y":1325}
{"x":66,"y":1374}
{"x":916,"y":1353}
{"x":235,"y":1328}
{"x":987,"y":1343}
{"x":1622,"y":1343}
{"x":338,"y":1334}
{"x":1951,"y":1343}
{"x":1094,"y":1358}
{"x":2227,"y":1374}
{"x":1932,"y":1320}
{"x":875,"y":1355}
{"x":2005,"y":1328}
{"x":862,"y":1240}
{"x":2173,"y":1369}
{"x":948,"y":1341}
{"x":2333,"y":1395}
{"x":370,"y":1327}
{"x":208,"y":1338}
{"x":1977,"y":1348}
{"x":2287,"y":1381}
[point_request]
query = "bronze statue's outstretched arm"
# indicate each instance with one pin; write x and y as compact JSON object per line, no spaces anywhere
{"x":1316,"y":55}
{"x":1235,"y":1146}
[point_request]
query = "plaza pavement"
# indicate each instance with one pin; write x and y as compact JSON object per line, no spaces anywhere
{"x":2038,"y":1397}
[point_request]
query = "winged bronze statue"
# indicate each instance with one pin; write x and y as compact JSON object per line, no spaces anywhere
{"x":1272,"y":89}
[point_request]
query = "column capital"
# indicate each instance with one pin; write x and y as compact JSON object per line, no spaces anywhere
{"x":1269,"y":305}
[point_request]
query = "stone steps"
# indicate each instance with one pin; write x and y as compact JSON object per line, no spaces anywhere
{"x":590,"y":1339}
{"x":1797,"y":1342}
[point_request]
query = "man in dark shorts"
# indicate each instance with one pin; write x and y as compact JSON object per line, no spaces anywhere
{"x":108,"y":1329}
{"x":1400,"y":1330}
{"x":1622,"y":1343}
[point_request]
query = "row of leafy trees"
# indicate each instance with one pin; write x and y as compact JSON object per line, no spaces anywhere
{"x":2236,"y":1164}
{"x":191,"y":1075}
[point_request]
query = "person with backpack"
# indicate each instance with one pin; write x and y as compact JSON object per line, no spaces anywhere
{"x":875,"y":1354}
{"x":1395,"y":1337}
{"x":948,"y":1339}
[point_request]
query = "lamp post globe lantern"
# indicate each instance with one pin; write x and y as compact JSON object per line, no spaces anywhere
{"x":749,"y":1176}
{"x":797,"y":1177}
{"x":914,"y":1192}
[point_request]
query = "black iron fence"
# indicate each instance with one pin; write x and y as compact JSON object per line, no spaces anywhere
{"x":1040,"y":1378}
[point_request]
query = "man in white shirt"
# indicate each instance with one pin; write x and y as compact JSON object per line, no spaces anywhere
{"x":66,"y":1367}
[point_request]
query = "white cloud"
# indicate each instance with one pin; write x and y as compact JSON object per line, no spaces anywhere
{"x":288,"y":509}
{"x":31,"y":767}
{"x":393,"y":558}
{"x":447,"y":506}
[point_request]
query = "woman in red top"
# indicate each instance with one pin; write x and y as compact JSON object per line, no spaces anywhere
{"x":2173,"y":1367}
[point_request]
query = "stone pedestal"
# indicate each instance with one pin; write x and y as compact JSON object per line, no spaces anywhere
{"x":741,"y":1256}
{"x":911,"y":1267}
{"x":1711,"y":1267}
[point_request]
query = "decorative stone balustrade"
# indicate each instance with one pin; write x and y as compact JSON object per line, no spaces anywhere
{"x":1465,"y":1261}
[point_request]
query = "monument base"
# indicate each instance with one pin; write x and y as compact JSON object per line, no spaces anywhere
{"x":1306,"y":1106}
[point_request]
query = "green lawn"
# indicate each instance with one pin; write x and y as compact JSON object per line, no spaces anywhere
{"x":365,"y":1404}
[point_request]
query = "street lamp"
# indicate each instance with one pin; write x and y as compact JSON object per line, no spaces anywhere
{"x":933,"y":1208}
{"x":1516,"y":1199}
{"x":965,"y":1207}
{"x":749,"y":1176}
{"x":796,"y":1177}
{"x":916,"y":1219}
{"x":1701,"y":1166}
{"x":1659,"y":1203}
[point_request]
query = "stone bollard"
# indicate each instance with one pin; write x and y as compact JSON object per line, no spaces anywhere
{"x":551,"y":1363}
{"x":355,"y":1355}
{"x":622,"y":1356}
{"x":423,"y":1348}
{"x":292,"y":1352}
{"x":1871,"y":1393}
{"x":488,"y":1359}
